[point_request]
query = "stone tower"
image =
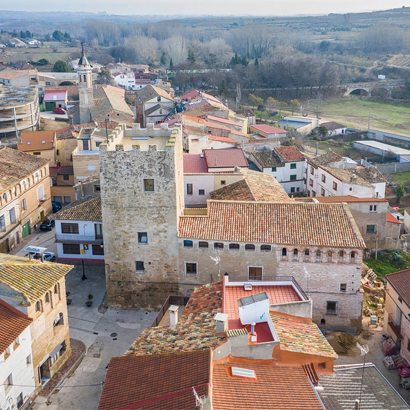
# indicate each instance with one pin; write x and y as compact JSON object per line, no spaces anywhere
{"x":85,"y":88}
{"x":142,"y":199}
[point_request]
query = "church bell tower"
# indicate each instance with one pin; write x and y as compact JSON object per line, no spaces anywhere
{"x":85,"y":88}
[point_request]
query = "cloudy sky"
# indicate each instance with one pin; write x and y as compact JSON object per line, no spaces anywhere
{"x":200,"y":7}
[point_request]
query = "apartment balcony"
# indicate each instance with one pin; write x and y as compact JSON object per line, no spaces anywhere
{"x":394,"y":328}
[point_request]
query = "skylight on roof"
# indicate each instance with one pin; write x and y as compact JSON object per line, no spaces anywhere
{"x":241,"y":372}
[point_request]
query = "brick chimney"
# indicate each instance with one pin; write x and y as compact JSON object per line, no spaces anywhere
{"x":173,"y":315}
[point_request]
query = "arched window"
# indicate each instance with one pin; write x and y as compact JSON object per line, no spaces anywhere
{"x":284,"y":253}
{"x":330,"y":256}
{"x":5,"y":197}
{"x":24,"y":185}
{"x":47,"y":298}
{"x":318,"y":255}
{"x":249,"y":247}
{"x":307,"y":254}
{"x":295,"y":254}
{"x":352,"y":257}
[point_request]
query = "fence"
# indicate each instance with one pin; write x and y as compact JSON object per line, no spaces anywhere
{"x":172,"y":300}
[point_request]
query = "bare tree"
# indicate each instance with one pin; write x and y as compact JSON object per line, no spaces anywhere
{"x":145,"y":49}
{"x":177,"y":48}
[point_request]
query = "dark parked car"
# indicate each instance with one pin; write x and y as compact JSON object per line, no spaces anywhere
{"x":47,"y":256}
{"x":47,"y":224}
{"x":56,"y":206}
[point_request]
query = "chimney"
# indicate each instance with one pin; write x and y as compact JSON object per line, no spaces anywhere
{"x":254,"y":336}
{"x":353,"y":178}
{"x":173,"y":315}
{"x":226,"y":278}
{"x":221,"y":322}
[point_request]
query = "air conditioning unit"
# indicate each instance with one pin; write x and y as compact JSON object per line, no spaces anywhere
{"x":247,"y":286}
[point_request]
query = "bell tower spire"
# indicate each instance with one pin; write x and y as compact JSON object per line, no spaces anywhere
{"x":85,"y":87}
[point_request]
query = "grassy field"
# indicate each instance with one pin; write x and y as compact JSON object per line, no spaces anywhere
{"x":401,"y":177}
{"x":354,"y":112}
{"x":388,"y":262}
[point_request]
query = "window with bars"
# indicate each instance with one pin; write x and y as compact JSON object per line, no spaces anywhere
{"x":97,"y":250}
{"x":69,"y":228}
{"x":71,"y":248}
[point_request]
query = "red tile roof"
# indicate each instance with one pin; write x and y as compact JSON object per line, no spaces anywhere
{"x":156,"y":382}
{"x":225,"y":158}
{"x":290,"y":153}
{"x":348,"y":199}
{"x":300,"y":336}
{"x":268,"y":129}
{"x":194,"y":164}
{"x":401,"y":283}
{"x":36,"y":140}
{"x":213,"y":118}
{"x":195,"y":329}
{"x":255,"y":186}
{"x":222,"y":139}
{"x":299,"y":224}
{"x":392,"y":219}
{"x":274,"y":387}
{"x":12,"y":323}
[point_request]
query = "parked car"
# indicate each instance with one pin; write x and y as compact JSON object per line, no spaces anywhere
{"x":47,"y":256}
{"x":59,"y":110}
{"x":56,"y":206}
{"x":47,"y":224}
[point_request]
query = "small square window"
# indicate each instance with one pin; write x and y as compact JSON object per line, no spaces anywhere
{"x":142,"y":237}
{"x":371,"y":229}
{"x":203,"y":244}
{"x":322,"y":192}
{"x":66,"y":177}
{"x":343,"y":287}
{"x":312,"y":171}
{"x":334,"y":186}
{"x":293,"y":177}
{"x":292,"y":166}
{"x":249,"y":247}
{"x":223,"y":182}
{"x":201,"y":192}
{"x":191,"y":268}
{"x":292,"y":190}
{"x":310,"y":182}
{"x":266,"y":248}
{"x":189,"y":189}
{"x":273,"y":169}
{"x":139,"y":265}
{"x":323,"y":178}
{"x":188,"y":244}
{"x":373,"y":208}
{"x":234,"y":246}
{"x":148,"y":185}
{"x":218,"y":245}
{"x":331,"y":308}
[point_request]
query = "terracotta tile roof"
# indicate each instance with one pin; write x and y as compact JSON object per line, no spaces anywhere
{"x":325,"y":159}
{"x":194,"y":164}
{"x":401,"y":284}
{"x":84,"y":210}
{"x":12,"y":323}
{"x":256,"y":186}
{"x":340,"y":390}
{"x":157,"y":382}
{"x":150,"y":91}
{"x":195,"y":329}
{"x":30,"y":278}
{"x":274,"y":387}
{"x":290,"y":153}
{"x":9,"y":74}
{"x":299,"y":224}
{"x":36,"y":140}
{"x":348,"y":199}
{"x":267,"y":129}
{"x":331,"y":125}
{"x":370,"y":174}
{"x":298,"y":336}
{"x":213,"y":118}
{"x":107,"y":99}
{"x":222,"y":139}
{"x":345,"y":175}
{"x":65,"y":133}
{"x":225,"y":158}
{"x":391,"y":219}
{"x":15,"y":166}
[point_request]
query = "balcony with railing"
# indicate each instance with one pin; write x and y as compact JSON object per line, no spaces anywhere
{"x":77,"y":238}
{"x":395,"y":328}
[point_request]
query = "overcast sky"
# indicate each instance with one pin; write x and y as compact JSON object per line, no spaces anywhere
{"x":200,"y":7}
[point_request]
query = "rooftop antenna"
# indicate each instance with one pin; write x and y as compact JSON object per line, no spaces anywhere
{"x":363,"y":352}
{"x":199,"y":401}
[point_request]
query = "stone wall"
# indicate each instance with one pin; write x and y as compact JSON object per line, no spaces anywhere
{"x":129,"y":212}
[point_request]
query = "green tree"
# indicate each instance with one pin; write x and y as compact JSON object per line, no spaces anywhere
{"x":255,"y":100}
{"x":294,"y":105}
{"x":400,"y":190}
{"x":191,"y":56}
{"x":322,"y":131}
{"x":67,"y":36}
{"x":58,"y":35}
{"x":61,"y":66}
{"x":104,"y":76}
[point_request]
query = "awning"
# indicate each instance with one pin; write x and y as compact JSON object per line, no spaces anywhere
{"x":56,"y":350}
